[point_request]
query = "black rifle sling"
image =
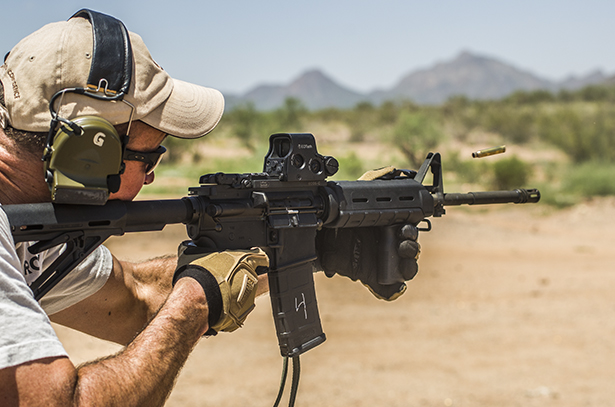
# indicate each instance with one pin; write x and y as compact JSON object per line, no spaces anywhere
{"x":78,"y":246}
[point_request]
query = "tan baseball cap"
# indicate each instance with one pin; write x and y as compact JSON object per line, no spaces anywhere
{"x":58,"y":56}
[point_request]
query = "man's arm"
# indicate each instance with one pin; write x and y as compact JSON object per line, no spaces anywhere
{"x":129,"y":299}
{"x":141,"y":374}
{"x":131,"y":296}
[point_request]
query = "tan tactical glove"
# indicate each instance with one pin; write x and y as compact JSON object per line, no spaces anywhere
{"x":229,"y":279}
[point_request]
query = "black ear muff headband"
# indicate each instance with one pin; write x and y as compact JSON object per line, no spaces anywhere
{"x":111,"y":50}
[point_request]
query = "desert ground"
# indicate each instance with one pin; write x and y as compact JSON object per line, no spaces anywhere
{"x":512,"y":306}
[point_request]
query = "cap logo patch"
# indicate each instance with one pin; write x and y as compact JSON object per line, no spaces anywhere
{"x":16,"y":94}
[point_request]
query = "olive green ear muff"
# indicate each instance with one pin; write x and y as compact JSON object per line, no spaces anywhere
{"x":84,"y":156}
{"x":84,"y":167}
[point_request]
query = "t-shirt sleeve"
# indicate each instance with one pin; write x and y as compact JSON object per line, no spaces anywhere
{"x":83,"y":281}
{"x":26,"y":333}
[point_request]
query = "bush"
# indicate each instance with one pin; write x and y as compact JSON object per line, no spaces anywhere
{"x":510,"y":173}
{"x":530,"y":97}
{"x":351,"y":167}
{"x":290,"y":116}
{"x":246,"y":124}
{"x":583,"y":132}
{"x":591,"y":179}
{"x":513,"y":123}
{"x":360,"y":120}
{"x":416,"y":134}
{"x":472,"y":171}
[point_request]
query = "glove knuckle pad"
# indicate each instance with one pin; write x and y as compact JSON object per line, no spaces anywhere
{"x":409,"y":249}
{"x":409,"y":232}
{"x":235,"y":272}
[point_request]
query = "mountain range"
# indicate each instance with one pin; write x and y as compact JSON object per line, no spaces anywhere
{"x":467,"y":74}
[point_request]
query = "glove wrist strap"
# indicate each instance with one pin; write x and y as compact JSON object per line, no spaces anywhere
{"x":210,"y":287}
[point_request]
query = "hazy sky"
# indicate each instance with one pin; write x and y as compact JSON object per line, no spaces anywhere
{"x":234,"y":45}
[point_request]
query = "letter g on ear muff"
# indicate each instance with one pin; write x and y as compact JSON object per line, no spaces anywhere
{"x":84,"y":165}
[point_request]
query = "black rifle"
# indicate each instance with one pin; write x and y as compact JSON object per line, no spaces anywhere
{"x":279,"y":210}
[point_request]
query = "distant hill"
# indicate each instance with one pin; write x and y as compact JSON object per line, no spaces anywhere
{"x":594,"y":78}
{"x":468,"y":74}
{"x":313,"y":88}
{"x":476,"y":77}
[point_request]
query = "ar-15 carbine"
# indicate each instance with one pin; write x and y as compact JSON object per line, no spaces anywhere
{"x":279,"y":210}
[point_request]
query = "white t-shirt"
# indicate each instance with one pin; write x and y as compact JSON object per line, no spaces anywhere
{"x":25,"y":330}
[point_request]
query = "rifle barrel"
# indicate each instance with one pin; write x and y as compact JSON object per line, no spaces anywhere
{"x":492,"y":197}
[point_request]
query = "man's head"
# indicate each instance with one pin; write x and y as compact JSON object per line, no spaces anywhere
{"x":42,"y":72}
{"x":58,"y":56}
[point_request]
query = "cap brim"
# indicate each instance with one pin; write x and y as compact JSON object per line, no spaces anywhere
{"x":191,"y":111}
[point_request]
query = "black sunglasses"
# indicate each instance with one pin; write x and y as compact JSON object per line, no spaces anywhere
{"x":151,"y":159}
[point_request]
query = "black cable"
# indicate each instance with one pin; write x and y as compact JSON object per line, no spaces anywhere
{"x":282,"y":382}
{"x":295,"y":383}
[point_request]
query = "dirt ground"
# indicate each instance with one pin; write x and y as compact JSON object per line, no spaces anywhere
{"x":512,"y":307}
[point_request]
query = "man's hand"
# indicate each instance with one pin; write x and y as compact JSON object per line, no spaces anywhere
{"x":229,"y":279}
{"x":357,"y":254}
{"x":361,"y":253}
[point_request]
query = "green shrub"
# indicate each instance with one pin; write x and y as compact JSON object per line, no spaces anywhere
{"x":584,"y":132}
{"x":416,"y":134}
{"x":350,"y":168}
{"x":471,"y":171}
{"x":591,"y":179}
{"x":246,"y":124}
{"x":510,"y":173}
{"x":553,"y":195}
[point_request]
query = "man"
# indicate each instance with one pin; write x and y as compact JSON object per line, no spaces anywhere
{"x":158,"y":316}
{"x":109,"y":299}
